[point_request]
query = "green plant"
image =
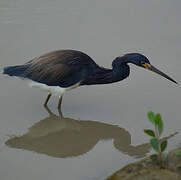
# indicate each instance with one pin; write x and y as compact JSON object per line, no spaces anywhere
{"x":158,"y":144}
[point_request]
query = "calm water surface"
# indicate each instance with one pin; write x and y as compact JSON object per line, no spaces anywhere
{"x":101,"y":128}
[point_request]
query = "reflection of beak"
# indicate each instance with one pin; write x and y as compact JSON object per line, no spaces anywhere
{"x":152,"y":68}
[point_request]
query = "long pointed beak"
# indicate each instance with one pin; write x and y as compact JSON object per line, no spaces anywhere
{"x":154,"y":69}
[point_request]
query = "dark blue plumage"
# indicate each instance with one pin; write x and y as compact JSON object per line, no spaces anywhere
{"x":15,"y":70}
{"x":69,"y":69}
{"x":66,"y":67}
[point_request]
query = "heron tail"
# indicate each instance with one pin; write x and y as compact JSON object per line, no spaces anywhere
{"x":14,"y":70}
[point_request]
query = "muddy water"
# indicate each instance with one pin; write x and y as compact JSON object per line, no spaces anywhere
{"x":101,"y":128}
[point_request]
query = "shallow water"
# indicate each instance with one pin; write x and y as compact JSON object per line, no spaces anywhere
{"x":101,"y":128}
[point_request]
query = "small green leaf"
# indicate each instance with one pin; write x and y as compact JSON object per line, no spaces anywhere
{"x":159,"y":123}
{"x":178,"y":152}
{"x":149,"y":132}
{"x":151,"y":117}
{"x":163,"y":145}
{"x":154,"y":144}
{"x":157,"y":118}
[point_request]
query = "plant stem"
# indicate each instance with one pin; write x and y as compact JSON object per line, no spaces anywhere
{"x":158,"y":141}
{"x":160,"y":159}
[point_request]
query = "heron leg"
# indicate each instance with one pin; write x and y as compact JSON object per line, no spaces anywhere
{"x":60,"y":102}
{"x":47,"y":99}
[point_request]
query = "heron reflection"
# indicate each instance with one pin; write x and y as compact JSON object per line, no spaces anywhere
{"x":62,"y":137}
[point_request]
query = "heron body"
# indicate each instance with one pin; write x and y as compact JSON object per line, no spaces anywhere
{"x":62,"y":70}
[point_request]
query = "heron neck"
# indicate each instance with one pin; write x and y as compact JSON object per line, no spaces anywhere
{"x":106,"y":76}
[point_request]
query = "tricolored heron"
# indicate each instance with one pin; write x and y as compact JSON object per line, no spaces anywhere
{"x":62,"y":70}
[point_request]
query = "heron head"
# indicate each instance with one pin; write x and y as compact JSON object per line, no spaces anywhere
{"x":142,"y":61}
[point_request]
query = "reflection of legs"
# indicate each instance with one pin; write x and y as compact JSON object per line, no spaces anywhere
{"x":47,"y":99}
{"x":52,"y":114}
{"x":60,"y":102}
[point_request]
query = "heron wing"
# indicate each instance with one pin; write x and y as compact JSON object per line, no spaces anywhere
{"x":62,"y":68}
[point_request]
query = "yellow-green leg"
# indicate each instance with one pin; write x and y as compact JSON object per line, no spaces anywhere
{"x":47,"y":99}
{"x":60,"y":102}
